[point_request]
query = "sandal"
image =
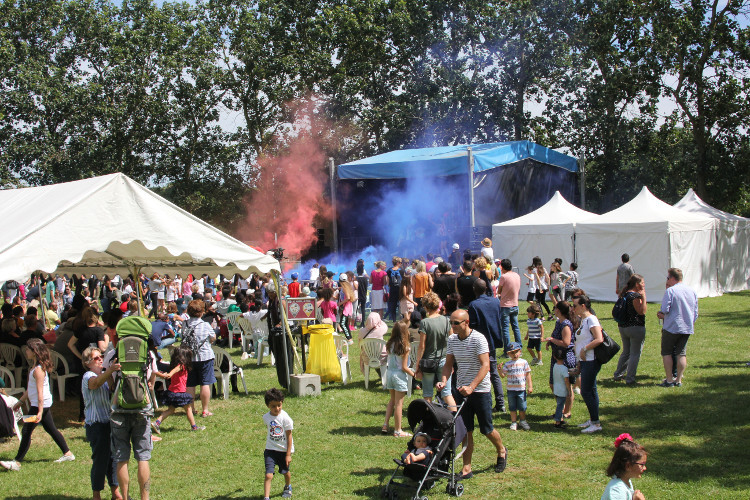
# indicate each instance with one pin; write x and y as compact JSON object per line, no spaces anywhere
{"x":384,"y":430}
{"x":401,"y":434}
{"x":207,"y":414}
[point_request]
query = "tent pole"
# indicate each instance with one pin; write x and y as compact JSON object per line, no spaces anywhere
{"x":332,"y":177}
{"x":136,"y":271}
{"x":582,"y":179}
{"x":471,"y":193}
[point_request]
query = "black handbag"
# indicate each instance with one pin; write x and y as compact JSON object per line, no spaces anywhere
{"x":429,"y":365}
{"x":607,"y":349}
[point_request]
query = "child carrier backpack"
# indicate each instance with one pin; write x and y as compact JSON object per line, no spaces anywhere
{"x":132,"y":392}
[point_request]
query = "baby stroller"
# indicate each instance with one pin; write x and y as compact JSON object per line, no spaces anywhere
{"x":446,"y":432}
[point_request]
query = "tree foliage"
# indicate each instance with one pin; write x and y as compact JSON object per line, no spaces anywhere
{"x":187,"y":97}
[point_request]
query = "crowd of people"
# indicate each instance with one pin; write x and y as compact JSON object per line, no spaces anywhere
{"x":460,"y":320}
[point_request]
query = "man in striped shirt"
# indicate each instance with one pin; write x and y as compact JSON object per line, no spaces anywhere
{"x":470,"y":350}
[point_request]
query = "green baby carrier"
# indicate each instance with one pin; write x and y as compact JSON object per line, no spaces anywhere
{"x":132,"y":392}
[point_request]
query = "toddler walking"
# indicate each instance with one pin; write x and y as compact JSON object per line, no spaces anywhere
{"x":534,"y":333}
{"x":279,"y":443}
{"x":177,"y":395}
{"x":518,"y":372}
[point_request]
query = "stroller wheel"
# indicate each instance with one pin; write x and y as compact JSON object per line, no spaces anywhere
{"x":459,"y":490}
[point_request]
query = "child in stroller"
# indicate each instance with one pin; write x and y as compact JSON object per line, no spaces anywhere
{"x":421,"y":449}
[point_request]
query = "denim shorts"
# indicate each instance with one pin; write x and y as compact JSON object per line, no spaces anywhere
{"x":479,"y":404}
{"x":428,"y":382}
{"x":202,"y":373}
{"x":275,"y":458}
{"x":516,"y":400}
{"x":396,"y":380}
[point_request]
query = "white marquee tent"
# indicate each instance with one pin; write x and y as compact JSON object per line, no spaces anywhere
{"x":657,"y":236}
{"x":732,"y":243}
{"x":547,"y":232}
{"x":111,"y":224}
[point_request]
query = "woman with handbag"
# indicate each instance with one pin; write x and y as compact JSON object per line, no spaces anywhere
{"x":588,"y":336}
{"x":434,"y":331}
{"x":632,"y":329}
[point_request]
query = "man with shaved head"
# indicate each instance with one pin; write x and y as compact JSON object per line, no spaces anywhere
{"x":470,"y":351}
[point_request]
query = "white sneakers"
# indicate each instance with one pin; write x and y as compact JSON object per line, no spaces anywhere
{"x":587,"y":423}
{"x":524,"y":425}
{"x":592,"y":428}
{"x":65,"y":458}
{"x":513,"y":426}
{"x":10,"y":464}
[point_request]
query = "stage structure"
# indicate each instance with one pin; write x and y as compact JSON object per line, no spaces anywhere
{"x":402,"y":199}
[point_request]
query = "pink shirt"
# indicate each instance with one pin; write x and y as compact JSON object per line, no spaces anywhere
{"x":511,"y":284}
{"x":328,"y":308}
{"x":377,"y":278}
{"x":178,"y":382}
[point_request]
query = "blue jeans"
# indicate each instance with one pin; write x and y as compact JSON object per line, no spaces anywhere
{"x":589,"y":371}
{"x":166,"y":342}
{"x":509,"y":319}
{"x":559,"y":408}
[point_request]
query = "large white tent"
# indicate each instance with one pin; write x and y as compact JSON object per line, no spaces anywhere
{"x":547,"y":232}
{"x":732,"y":242}
{"x":111,"y":224}
{"x":657,"y":236}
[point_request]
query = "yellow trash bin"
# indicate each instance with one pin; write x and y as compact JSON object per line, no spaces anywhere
{"x":322,"y":359}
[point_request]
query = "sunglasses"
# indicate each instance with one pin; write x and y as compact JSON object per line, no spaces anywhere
{"x":96,"y":358}
{"x":456,"y":323}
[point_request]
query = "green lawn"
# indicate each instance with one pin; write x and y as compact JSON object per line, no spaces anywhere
{"x":697,"y":436}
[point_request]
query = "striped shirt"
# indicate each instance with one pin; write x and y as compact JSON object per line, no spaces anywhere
{"x":535,"y":328}
{"x":96,"y":401}
{"x":516,"y":372}
{"x":466,"y":352}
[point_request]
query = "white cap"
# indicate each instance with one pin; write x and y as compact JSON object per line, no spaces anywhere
{"x":455,"y":246}
{"x":342,"y":277}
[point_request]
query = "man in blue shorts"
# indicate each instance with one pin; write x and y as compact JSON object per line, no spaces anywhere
{"x":470,"y":351}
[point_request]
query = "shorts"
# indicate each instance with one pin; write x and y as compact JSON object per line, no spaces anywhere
{"x":535,"y":344}
{"x":671,"y":342}
{"x":130,"y":428}
{"x":275,"y":458}
{"x":202,"y":373}
{"x":396,"y":380}
{"x":516,"y":400}
{"x":430,"y":379}
{"x":479,"y":404}
{"x":530,"y":297}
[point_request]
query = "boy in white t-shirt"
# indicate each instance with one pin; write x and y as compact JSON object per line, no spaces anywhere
{"x":279,"y":443}
{"x":518,"y":372}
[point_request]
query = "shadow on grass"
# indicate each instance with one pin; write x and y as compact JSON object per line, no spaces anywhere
{"x":245,"y":497}
{"x":358,"y":431}
{"x":43,"y":497}
{"x":712,"y":411}
{"x":738,"y":318}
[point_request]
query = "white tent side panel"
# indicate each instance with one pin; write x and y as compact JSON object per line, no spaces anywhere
{"x":733,"y":255}
{"x":599,"y":254}
{"x":694,"y":252}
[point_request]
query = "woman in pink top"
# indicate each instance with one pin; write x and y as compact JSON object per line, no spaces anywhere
{"x":377,"y":278}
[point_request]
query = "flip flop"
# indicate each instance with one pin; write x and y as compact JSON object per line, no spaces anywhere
{"x":384,"y":430}
{"x":401,"y":434}
{"x":207,"y":414}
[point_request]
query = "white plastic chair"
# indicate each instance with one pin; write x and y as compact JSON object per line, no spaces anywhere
{"x":10,"y":402}
{"x":60,"y":375}
{"x":373,"y":349}
{"x":342,"y":351}
{"x":261,"y":343}
{"x":231,"y":318}
{"x":13,"y":359}
{"x":221,"y":354}
{"x":10,"y":382}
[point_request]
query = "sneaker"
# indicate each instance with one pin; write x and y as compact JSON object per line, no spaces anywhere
{"x":499,"y":408}
{"x":664,"y":383}
{"x":513,"y":426}
{"x":577,"y":390}
{"x":156,"y":426}
{"x":350,"y":342}
{"x":587,"y":423}
{"x":592,"y":428}
{"x":198,"y":428}
{"x":539,"y":362}
{"x":501,"y":462}
{"x":10,"y":465}
{"x":65,"y":458}
{"x":618,"y":378}
{"x":678,"y":384}
{"x":287,"y":493}
{"x":525,"y":425}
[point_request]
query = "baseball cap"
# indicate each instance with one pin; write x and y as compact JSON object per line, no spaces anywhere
{"x":514,"y":346}
{"x":342,"y":277}
{"x":455,"y":246}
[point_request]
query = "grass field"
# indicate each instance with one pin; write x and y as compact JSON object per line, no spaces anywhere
{"x":698,"y":436}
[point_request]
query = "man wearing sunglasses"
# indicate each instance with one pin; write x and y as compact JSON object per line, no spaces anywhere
{"x":470,"y":351}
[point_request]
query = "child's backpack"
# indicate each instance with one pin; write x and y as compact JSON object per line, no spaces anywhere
{"x":618,"y":311}
{"x":132,"y":392}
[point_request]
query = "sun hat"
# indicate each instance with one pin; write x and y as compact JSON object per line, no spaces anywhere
{"x":486,"y":242}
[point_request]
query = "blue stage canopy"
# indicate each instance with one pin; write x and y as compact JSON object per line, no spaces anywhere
{"x":452,"y":160}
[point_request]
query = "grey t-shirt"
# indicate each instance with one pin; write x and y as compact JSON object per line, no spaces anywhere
{"x":624,"y":272}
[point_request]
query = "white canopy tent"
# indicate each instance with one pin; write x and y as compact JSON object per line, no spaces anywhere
{"x":657,"y":236}
{"x":111,"y":224}
{"x":547,"y":232}
{"x":732,"y":242}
